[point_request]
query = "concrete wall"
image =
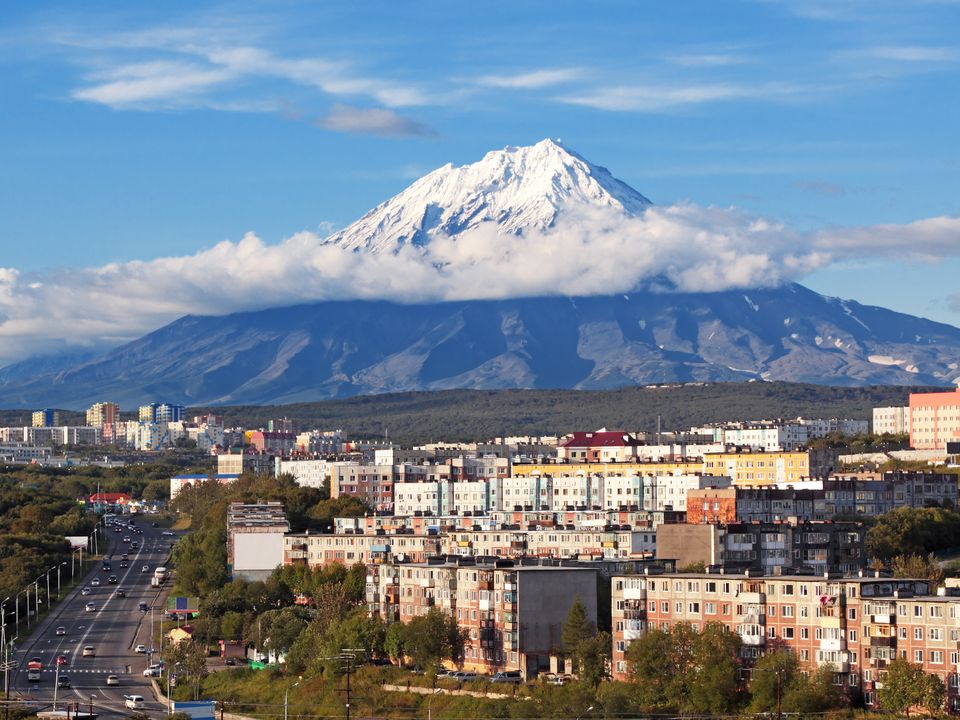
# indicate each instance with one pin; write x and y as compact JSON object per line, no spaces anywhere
{"x":545,"y":596}
{"x":689,"y":544}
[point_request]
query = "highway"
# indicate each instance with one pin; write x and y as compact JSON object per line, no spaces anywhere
{"x":114,"y":628}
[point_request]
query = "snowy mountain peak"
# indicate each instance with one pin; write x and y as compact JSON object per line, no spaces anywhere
{"x":517,"y":188}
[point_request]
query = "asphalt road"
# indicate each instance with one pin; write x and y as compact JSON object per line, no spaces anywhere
{"x":114,"y":629}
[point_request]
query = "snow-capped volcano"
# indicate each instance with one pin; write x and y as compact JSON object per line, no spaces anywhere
{"x":517,"y":188}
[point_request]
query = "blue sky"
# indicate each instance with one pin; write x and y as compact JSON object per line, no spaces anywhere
{"x":138,"y":131}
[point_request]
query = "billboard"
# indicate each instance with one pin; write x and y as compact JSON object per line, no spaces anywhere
{"x":183,"y":605}
{"x":202,"y":710}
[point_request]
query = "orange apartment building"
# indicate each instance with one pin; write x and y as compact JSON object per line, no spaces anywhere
{"x":934,"y":419}
{"x":856,"y":625}
{"x":512,"y":614}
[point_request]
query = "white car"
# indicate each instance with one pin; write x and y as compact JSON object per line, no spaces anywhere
{"x":90,"y":607}
{"x":134,"y":702}
{"x":113,"y":680}
{"x":85,"y":591}
{"x":140,"y":649}
{"x":153,"y":671}
{"x":95,"y":582}
{"x":167,"y":533}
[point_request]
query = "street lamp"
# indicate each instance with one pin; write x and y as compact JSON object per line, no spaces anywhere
{"x":286,"y":693}
{"x":61,"y":565}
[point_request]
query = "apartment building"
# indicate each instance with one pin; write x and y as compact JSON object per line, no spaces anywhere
{"x":604,"y":446}
{"x":513,"y":615}
{"x":891,"y":420}
{"x":759,"y":468}
{"x":934,"y":419}
{"x":867,"y":494}
{"x":255,"y":539}
{"x":556,"y":542}
{"x":371,"y":483}
{"x":102,"y":413}
{"x":45,"y":418}
{"x":854,"y":625}
{"x":765,"y":547}
{"x":179,"y":482}
{"x":237,"y":462}
{"x":317,"y":551}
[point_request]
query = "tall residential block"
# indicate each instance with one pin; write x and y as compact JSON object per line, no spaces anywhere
{"x":103,"y":413}
{"x":45,"y":418}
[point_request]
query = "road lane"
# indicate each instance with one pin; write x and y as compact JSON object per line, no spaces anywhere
{"x":112,"y":629}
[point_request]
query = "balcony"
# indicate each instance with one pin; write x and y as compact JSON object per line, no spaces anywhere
{"x":297,"y":554}
{"x":754,"y":640}
{"x":881,"y":642}
{"x":833,"y":644}
{"x":881,"y":619}
{"x":634,"y":614}
{"x":829,"y":621}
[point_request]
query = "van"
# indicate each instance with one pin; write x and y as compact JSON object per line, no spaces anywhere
{"x":510,"y":676}
{"x":134,"y":702}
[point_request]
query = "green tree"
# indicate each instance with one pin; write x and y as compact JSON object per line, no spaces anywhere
{"x":714,"y":687}
{"x":576,"y":628}
{"x":394,"y":642}
{"x":592,"y":656}
{"x":907,"y":686}
{"x":434,"y":637}
{"x":355,"y":583}
{"x":917,"y":566}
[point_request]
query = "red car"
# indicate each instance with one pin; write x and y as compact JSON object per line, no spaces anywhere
{"x":35,"y":664}
{"x":61,"y":659}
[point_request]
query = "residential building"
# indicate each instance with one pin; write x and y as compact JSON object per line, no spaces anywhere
{"x":178,"y":483}
{"x":277,"y":443}
{"x":239,"y":461}
{"x":600,"y":446}
{"x":891,"y":420}
{"x":764,"y":547}
{"x":45,"y":418}
{"x":374,"y":484}
{"x":103,"y":413}
{"x":934,"y":419}
{"x":512,"y":614}
{"x":255,"y":539}
{"x":854,"y":625}
{"x":760,"y":468}
{"x":161,"y":413}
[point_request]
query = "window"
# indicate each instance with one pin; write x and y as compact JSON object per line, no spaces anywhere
{"x":902,"y":633}
{"x":852,"y":635}
{"x":787,"y":611}
{"x":936,"y":657}
{"x":804,"y":633}
{"x":918,"y":656}
{"x":852,"y":613}
{"x":918,"y":633}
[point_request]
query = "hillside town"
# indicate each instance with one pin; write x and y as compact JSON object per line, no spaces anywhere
{"x":752,"y":525}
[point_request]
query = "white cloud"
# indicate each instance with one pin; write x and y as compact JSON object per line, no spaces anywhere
{"x":177,"y":67}
{"x":705,"y":59}
{"x":372,"y":121}
{"x":694,"y":248}
{"x":152,"y":84}
{"x":653,"y":98}
{"x":904,"y":53}
{"x":532,"y":80}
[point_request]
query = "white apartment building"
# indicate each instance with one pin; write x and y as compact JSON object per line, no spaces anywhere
{"x":413,"y":498}
{"x":820,"y":428}
{"x":308,"y":473}
{"x":622,"y":491}
{"x":669,"y":492}
{"x":520,"y":492}
{"x":892,"y":420}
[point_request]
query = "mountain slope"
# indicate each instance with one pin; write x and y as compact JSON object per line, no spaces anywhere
{"x":339,"y":349}
{"x":517,"y":189}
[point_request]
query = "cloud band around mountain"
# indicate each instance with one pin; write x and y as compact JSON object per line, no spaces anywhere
{"x":587,"y":252}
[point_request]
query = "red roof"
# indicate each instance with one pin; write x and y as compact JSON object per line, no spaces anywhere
{"x":115,"y":498}
{"x":604,"y":438}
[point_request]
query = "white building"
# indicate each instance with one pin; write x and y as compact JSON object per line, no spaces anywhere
{"x":307,"y":473}
{"x":820,"y":428}
{"x":622,"y":491}
{"x":669,"y":492}
{"x":892,"y":420}
{"x":412,"y":498}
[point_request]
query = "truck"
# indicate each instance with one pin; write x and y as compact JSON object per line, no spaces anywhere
{"x":159,"y":577}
